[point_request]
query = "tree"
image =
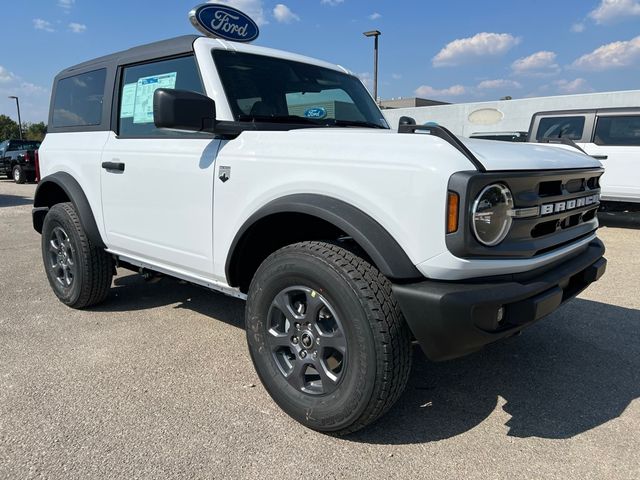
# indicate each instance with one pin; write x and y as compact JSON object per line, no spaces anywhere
{"x":35,"y":131}
{"x":8,"y":128}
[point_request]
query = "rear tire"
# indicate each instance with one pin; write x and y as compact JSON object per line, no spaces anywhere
{"x":327,"y":337}
{"x":18,"y":174}
{"x":79,"y":272}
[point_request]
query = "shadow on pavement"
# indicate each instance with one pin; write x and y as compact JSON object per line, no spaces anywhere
{"x":571,"y":372}
{"x":131,"y":292}
{"x":14,"y":200}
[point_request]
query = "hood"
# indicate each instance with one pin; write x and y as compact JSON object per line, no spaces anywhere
{"x":493,"y":155}
{"x":496,"y":155}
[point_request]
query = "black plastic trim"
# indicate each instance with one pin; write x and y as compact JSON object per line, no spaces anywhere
{"x":452,"y":319}
{"x":76,"y":195}
{"x":524,"y":185}
{"x":378,"y":244}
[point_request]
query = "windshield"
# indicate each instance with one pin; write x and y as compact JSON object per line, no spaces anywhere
{"x":267,"y":89}
{"x":23,"y":145}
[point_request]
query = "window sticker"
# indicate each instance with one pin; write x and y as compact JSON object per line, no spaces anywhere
{"x":128,"y":100}
{"x":143,"y":108}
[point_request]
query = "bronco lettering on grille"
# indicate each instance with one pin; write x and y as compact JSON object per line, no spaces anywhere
{"x":557,"y":207}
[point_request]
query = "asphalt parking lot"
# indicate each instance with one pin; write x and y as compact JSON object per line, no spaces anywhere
{"x":157,"y":382}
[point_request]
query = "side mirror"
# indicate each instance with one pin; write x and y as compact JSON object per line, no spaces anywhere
{"x":183,"y":110}
{"x":406,"y":121}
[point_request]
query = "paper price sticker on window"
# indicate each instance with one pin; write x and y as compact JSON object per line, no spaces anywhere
{"x":128,"y":100}
{"x":146,"y":86}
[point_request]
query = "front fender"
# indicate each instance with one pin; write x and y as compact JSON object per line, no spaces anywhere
{"x":380,"y":246}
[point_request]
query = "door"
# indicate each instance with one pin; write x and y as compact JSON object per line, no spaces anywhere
{"x":157,"y":185}
{"x":616,"y":143}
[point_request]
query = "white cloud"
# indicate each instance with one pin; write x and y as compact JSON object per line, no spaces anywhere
{"x":375,"y":16}
{"x":253,"y":8}
{"x":28,"y":88}
{"x":34,"y":99}
{"x":480,"y":45}
{"x":77,"y":27}
{"x":283,"y":14}
{"x":40,"y":24}
{"x":5,"y":75}
{"x":578,"y":27}
{"x":579,"y":85}
{"x":427,"y":91}
{"x":498,"y":83}
{"x":536,"y":63}
{"x":611,"y":55}
{"x":332,"y":3}
{"x":610,"y":11}
{"x":396,"y":76}
{"x":66,"y":4}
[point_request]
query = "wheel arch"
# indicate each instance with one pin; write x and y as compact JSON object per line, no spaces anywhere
{"x":61,"y":187}
{"x":319,"y":214}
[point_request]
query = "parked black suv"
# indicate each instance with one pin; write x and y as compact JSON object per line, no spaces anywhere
{"x":18,"y":159}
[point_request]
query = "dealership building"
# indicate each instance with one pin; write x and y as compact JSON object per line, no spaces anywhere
{"x":466,"y":119}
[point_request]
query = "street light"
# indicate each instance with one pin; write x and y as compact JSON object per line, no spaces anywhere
{"x":19,"y":119}
{"x":375,"y":34}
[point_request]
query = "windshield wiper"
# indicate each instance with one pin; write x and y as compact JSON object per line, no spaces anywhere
{"x":356,"y":123}
{"x":276,"y":119}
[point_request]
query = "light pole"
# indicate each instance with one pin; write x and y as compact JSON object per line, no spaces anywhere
{"x":375,"y":34}
{"x":19,"y":119}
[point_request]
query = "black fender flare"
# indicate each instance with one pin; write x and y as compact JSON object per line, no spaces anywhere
{"x":44,"y":200}
{"x":379,"y":245}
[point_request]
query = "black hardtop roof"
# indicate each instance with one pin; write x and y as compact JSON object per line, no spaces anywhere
{"x":163,"y":48}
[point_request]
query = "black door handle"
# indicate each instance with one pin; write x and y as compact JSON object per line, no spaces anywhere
{"x":600,"y":157}
{"x":113,"y":166}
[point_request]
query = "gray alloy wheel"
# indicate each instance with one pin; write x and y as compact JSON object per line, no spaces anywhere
{"x":78,"y":271}
{"x":307,"y":340}
{"x":61,"y":257}
{"x":18,"y":174}
{"x":326,"y":336}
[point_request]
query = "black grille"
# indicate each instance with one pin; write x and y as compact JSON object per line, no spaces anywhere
{"x":536,"y":235}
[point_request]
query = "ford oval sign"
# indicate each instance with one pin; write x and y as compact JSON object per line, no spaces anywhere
{"x":315,"y":112}
{"x":222,"y":21}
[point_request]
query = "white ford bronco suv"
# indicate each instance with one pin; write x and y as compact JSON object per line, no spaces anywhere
{"x":274,"y":178}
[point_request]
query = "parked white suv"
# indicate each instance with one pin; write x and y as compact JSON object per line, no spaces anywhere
{"x":611,"y":135}
{"x":274,"y":177}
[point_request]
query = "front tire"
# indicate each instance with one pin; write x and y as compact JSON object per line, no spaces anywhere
{"x":18,"y":174}
{"x":79,"y":272}
{"x":327,"y":337}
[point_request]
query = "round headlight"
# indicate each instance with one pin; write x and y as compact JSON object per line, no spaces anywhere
{"x":490,"y":216}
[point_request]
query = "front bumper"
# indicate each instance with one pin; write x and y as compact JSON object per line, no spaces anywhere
{"x":451,"y":319}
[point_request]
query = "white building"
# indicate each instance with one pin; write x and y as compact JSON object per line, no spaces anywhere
{"x":507,"y":115}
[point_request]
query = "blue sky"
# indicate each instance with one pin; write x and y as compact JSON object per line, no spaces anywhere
{"x":454,"y":50}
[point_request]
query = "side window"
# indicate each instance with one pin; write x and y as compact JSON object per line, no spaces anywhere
{"x":78,"y":101}
{"x":560,"y":127}
{"x":618,"y":130}
{"x":139,"y":82}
